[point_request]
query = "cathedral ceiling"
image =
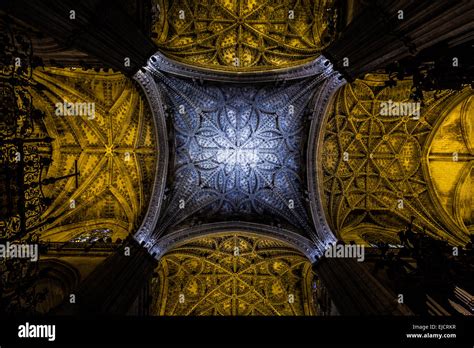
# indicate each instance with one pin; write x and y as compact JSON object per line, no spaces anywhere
{"x":379,"y":170}
{"x":233,"y":274}
{"x":114,"y":150}
{"x":238,"y":153}
{"x":451,"y":164}
{"x":243,"y":35}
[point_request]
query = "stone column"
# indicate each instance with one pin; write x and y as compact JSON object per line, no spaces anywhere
{"x":115,"y":284}
{"x":381,"y":34}
{"x":355,"y":291}
{"x":98,"y":28}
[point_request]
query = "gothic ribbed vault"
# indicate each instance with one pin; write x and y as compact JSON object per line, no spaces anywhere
{"x":237,"y":150}
{"x":229,"y":143}
{"x":240,"y":35}
{"x":115,"y":151}
{"x":233,"y":274}
{"x":378,"y":171}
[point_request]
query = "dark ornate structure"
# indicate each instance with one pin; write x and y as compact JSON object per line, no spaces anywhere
{"x":232,"y":138}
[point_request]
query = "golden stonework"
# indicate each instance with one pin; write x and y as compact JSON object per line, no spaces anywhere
{"x":115,"y":150}
{"x":233,"y":274}
{"x":374,"y":166}
{"x":243,"y":35}
{"x":451,"y":164}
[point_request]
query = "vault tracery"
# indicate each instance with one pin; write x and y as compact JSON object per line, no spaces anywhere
{"x":115,"y":152}
{"x":372,"y":164}
{"x":238,"y":151}
{"x":233,"y":274}
{"x":451,"y":161}
{"x":244,"y":35}
{"x":217,"y":128}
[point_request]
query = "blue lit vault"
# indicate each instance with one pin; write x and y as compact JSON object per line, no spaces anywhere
{"x":238,"y":152}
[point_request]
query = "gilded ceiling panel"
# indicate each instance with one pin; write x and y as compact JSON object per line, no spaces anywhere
{"x":238,"y":153}
{"x":102,"y":131}
{"x":244,"y":34}
{"x":233,"y":274}
{"x":451,"y":164}
{"x":373,"y":160}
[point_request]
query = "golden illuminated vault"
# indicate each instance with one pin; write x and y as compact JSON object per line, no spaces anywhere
{"x":115,"y":150}
{"x":451,"y":164}
{"x":233,"y":274}
{"x":231,"y":155}
{"x":243,"y":34}
{"x":375,"y":167}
